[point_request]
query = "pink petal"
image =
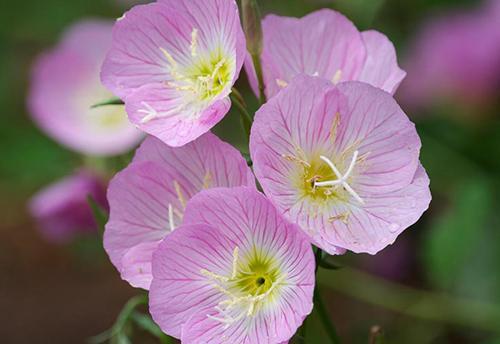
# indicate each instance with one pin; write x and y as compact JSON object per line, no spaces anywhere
{"x":249,"y":220}
{"x":376,"y":126}
{"x":179,"y":289}
{"x":206,"y":158}
{"x":297,"y":126}
{"x":141,"y":194}
{"x":371,"y":228}
{"x":381,"y":65}
{"x":139,"y":199}
{"x":152,"y":43}
{"x":175,"y":128}
{"x":61,"y":209}
{"x":65,"y":84}
{"x":321,"y":44}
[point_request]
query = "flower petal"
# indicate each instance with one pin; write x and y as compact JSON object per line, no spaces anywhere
{"x":179,"y":289}
{"x":381,"y":65}
{"x":248,"y":219}
{"x":65,"y":84}
{"x":206,"y":162}
{"x":320,"y":44}
{"x":139,"y":199}
{"x":376,"y":126}
{"x":175,"y":125}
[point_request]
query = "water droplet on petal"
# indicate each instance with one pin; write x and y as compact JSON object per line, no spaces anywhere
{"x":393,"y":227}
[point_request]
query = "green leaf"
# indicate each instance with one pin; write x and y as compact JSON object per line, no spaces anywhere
{"x":100,"y":215}
{"x":111,"y":101}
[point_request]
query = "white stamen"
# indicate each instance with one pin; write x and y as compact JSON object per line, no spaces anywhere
{"x":316,"y":73}
{"x":194,"y":42}
{"x":337,"y":76}
{"x":341,"y":179}
{"x":239,"y":305}
{"x":169,"y":57}
{"x":235,"y":262}
{"x":171,"y":217}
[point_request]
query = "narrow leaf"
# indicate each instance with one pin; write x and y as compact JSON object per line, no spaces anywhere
{"x":111,"y":101}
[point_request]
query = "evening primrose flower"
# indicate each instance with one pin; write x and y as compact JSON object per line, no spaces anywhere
{"x":65,"y":84}
{"x":147,"y":199}
{"x":174,"y":63}
{"x":61,"y":209}
{"x":236,"y":271}
{"x":325,"y":44}
{"x":342,"y":162}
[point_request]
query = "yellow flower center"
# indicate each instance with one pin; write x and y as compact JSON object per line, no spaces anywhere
{"x":254,"y":281}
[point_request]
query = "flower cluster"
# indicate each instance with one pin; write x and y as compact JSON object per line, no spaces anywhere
{"x":226,"y":259}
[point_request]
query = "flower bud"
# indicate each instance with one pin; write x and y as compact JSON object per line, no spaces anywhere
{"x":252,"y":26}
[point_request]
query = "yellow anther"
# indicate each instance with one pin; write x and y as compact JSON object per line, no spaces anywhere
{"x":281,"y":83}
{"x":337,"y":76}
{"x":179,"y":193}
{"x":207,"y":180}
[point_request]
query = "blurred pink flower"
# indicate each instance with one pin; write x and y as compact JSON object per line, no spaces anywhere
{"x":235,"y":272}
{"x":147,"y":199}
{"x":61,"y":209}
{"x":342,"y":162}
{"x":455,"y":57}
{"x":65,"y":84}
{"x":324,"y":44}
{"x":174,"y":63}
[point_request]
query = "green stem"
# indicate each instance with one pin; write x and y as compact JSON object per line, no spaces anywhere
{"x":260,"y":79}
{"x":320,"y":306}
{"x":438,"y":307}
{"x":246,"y":118}
{"x":122,"y":319}
{"x":325,"y":318}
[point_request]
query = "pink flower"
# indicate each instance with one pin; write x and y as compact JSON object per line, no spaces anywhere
{"x":342,"y":162}
{"x":236,"y":271}
{"x":174,"y":63}
{"x":324,"y":44}
{"x":65,"y":84}
{"x":147,"y":199}
{"x":456,"y":57}
{"x":61,"y":209}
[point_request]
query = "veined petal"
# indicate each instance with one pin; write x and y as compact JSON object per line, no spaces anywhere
{"x":371,"y":228}
{"x":139,"y":199}
{"x":381,"y":66}
{"x":148,"y":198}
{"x":174,"y":63}
{"x":179,"y":289}
{"x":376,"y":126}
{"x":323,"y":153}
{"x":253,"y":240}
{"x":206,"y":162}
{"x":172,"y":121}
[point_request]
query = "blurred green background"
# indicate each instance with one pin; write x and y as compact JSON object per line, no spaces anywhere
{"x":439,"y":283}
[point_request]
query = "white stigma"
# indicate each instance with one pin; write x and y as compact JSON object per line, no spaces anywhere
{"x":342,"y":179}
